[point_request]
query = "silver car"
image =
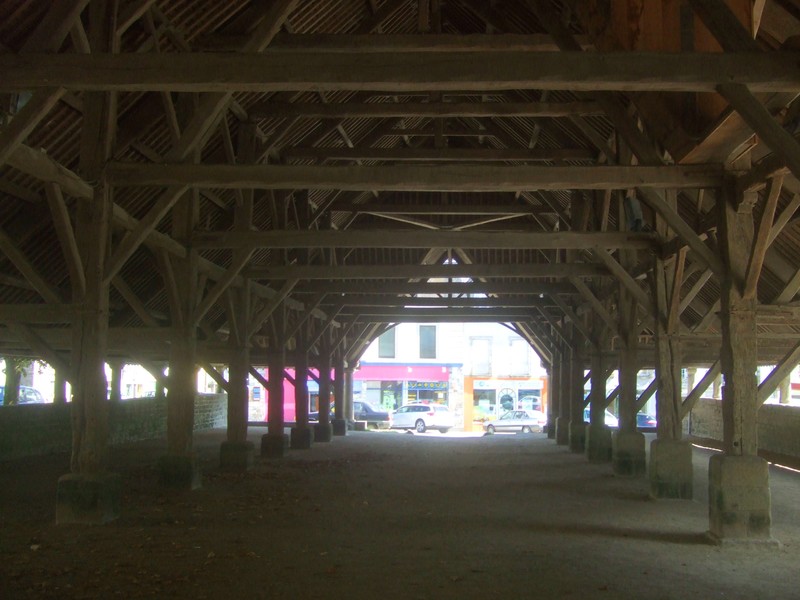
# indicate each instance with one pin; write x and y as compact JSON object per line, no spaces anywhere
{"x":421,"y":417}
{"x":525,"y":421}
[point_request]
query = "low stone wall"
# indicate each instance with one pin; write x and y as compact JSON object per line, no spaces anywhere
{"x":33,"y":429}
{"x":778,"y":425}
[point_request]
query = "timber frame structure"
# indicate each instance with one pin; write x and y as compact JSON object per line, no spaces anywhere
{"x":197,"y":183}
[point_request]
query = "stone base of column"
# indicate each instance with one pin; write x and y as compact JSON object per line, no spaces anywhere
{"x":577,"y":436}
{"x":179,"y":471}
{"x":562,"y":431}
{"x":274,"y":445}
{"x":598,"y":443}
{"x":323,"y":432}
{"x":302,"y":438}
{"x":236,"y":456}
{"x":671,"y":469}
{"x":628,"y":457}
{"x":339,"y":426}
{"x":88,"y":499}
{"x":550,"y":428}
{"x":359,"y":425}
{"x":739,"y":503}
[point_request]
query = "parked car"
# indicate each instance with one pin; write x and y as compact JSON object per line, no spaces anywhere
{"x":27,"y":395}
{"x":645,"y":421}
{"x":610,"y":419}
{"x":362,"y":411}
{"x":525,"y":421}
{"x":421,"y":417}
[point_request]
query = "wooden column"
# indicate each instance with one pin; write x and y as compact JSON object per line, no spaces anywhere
{"x":302,"y":435}
{"x":738,"y":316}
{"x":115,"y":385}
{"x":323,"y":431}
{"x":339,"y":422}
{"x":60,"y":387}
{"x":275,"y":442}
{"x":577,"y":426}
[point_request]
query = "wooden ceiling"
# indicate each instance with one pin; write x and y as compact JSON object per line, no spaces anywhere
{"x":352,"y":164}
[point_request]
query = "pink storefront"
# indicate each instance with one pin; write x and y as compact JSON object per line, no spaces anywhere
{"x":390,"y":386}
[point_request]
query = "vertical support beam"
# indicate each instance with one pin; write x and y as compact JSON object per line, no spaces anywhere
{"x":577,"y":426}
{"x":115,"y":385}
{"x":348,"y":394}
{"x":13,"y":376}
{"x":323,"y":431}
{"x":275,"y":443}
{"x":60,"y":387}
{"x":302,"y":436}
{"x":598,"y":434}
{"x":554,"y":402}
{"x":339,"y":422}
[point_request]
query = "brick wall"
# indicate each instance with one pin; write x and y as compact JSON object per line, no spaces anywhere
{"x":778,"y":425}
{"x":33,"y":429}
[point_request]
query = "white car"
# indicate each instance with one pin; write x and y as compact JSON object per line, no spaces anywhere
{"x":421,"y":417}
{"x":524,"y":421}
{"x":610,"y":419}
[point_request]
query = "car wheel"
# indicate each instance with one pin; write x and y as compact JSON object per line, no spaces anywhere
{"x":490,"y":429}
{"x":419,"y":426}
{"x":526,"y":429}
{"x":444,"y":430}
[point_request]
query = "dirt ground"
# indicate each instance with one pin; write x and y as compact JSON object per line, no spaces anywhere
{"x":388,"y":515}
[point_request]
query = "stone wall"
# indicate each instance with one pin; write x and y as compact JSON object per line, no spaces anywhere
{"x":778,"y":425}
{"x":33,"y":429}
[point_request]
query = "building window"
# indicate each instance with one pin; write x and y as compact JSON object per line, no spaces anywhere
{"x":481,"y":355}
{"x":386,"y":344}
{"x":427,"y":341}
{"x":520,"y":362}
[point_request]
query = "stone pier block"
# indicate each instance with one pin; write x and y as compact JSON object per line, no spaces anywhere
{"x":577,"y":436}
{"x":359,"y":425}
{"x":302,"y":438}
{"x":562,"y":431}
{"x":274,"y":445}
{"x":323,"y":432}
{"x":179,"y":471}
{"x":671,"y":469}
{"x":339,"y":426}
{"x":739,"y":502}
{"x":598,"y":443}
{"x":88,"y":499}
{"x":236,"y":456}
{"x":628,"y":457}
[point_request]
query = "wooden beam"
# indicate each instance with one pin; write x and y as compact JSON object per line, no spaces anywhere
{"x":39,"y":165}
{"x":438,"y":154}
{"x":624,"y":277}
{"x":134,"y":302}
{"x":781,"y":371}
{"x":146,"y":225}
{"x":439,"y":209}
{"x":761,"y":241}
{"x":596,"y":305}
{"x":435,"y":288}
{"x":382,"y":110}
{"x":764,"y":124}
{"x":783,"y":219}
{"x":37,"y":108}
{"x":269,"y":307}
{"x":402,"y":72}
{"x":222,"y":284}
{"x":37,"y":313}
{"x":724,"y":26}
{"x":693,"y":396}
{"x":416,"y":238}
{"x":31,"y":274}
{"x":53,"y":28}
{"x":66,"y":237}
{"x":38,"y":344}
{"x":444,"y":178}
{"x":215,"y":375}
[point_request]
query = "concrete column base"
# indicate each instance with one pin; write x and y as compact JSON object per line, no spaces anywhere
{"x":339,"y":426}
{"x":236,"y":456}
{"x":179,"y":471}
{"x":302,"y":438}
{"x":562,"y":431}
{"x":577,"y":436}
{"x":88,"y":499}
{"x":550,"y":428}
{"x":739,"y":502}
{"x":323,"y":432}
{"x":359,"y":425}
{"x":598,"y":443}
{"x":628,"y":457}
{"x":671,"y":469}
{"x":274,"y":445}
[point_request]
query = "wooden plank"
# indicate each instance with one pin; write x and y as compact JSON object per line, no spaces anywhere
{"x":443,"y":178}
{"x":695,"y":289}
{"x":28,"y":270}
{"x":384,"y":110}
{"x":66,"y":237}
{"x":438,"y":154}
{"x":37,"y":313}
{"x":414,"y":238}
{"x":29,"y":116}
{"x":403,"y":72}
{"x":760,"y":243}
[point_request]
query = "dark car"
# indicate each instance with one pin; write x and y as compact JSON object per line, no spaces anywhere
{"x":645,"y":421}
{"x":362,"y":411}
